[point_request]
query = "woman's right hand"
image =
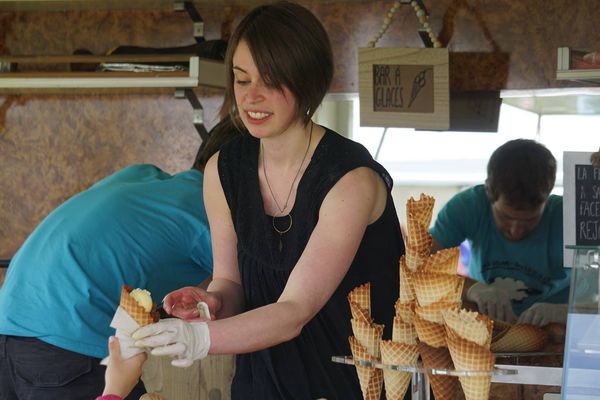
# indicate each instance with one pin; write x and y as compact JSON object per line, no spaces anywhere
{"x":183,"y":303}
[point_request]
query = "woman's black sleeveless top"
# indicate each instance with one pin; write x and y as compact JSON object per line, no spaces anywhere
{"x":302,"y":368}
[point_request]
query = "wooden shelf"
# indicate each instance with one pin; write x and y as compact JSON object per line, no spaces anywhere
{"x":32,"y":78}
{"x":65,"y":5}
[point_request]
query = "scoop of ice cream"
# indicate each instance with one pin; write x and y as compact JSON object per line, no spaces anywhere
{"x":143,"y":298}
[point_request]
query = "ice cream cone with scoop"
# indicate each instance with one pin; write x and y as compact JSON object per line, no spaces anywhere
{"x":135,"y":310}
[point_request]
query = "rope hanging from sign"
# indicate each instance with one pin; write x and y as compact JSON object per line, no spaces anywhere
{"x":422,"y":15}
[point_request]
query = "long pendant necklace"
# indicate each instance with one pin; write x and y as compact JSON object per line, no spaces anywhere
{"x":282,"y":209}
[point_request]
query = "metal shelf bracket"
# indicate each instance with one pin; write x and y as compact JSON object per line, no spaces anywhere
{"x":189,"y":7}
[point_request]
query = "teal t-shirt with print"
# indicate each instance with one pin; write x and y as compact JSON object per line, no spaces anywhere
{"x":531,"y":270}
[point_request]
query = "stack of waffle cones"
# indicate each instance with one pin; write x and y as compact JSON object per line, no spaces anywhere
{"x":137,"y":312}
{"x":418,"y":241}
{"x":424,"y":324}
{"x":365,"y":344}
{"x":435,"y":287}
{"x":401,"y":350}
{"x":469,"y":335}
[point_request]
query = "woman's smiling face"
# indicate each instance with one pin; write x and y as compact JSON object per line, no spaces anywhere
{"x":265,"y":111}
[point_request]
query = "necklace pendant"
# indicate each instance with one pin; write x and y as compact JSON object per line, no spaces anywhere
{"x":281,"y":232}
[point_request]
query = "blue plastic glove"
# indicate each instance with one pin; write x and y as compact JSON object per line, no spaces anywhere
{"x":185,"y":341}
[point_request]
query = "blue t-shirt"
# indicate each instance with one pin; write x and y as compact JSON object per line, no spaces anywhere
{"x":140,"y":226}
{"x":531,"y":270}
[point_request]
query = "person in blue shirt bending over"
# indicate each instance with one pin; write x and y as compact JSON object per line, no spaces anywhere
{"x":139,"y":226}
{"x":514,"y":227}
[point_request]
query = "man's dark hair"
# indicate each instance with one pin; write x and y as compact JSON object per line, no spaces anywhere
{"x":218,"y":136}
{"x":523,"y":172}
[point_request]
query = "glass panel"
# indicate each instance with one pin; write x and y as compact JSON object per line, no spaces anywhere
{"x":581,"y":378}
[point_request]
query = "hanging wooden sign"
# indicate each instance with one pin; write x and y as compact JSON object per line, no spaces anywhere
{"x":404,"y":87}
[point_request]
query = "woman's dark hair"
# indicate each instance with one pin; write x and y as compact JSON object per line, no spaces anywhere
{"x":523,"y":172}
{"x":290,"y":48}
{"x":218,"y":136}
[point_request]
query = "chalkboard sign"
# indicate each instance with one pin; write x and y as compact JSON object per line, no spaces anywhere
{"x":578,"y":183}
{"x":587,"y":205}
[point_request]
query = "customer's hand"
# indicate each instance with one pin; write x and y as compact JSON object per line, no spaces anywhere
{"x":185,"y":341}
{"x":492,"y":301}
{"x":541,"y":314}
{"x":183,"y":303}
{"x":121,"y":374}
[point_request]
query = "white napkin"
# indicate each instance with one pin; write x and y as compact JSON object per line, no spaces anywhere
{"x":125,"y":326}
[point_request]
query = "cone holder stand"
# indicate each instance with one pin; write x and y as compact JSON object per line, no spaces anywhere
{"x":420,"y":382}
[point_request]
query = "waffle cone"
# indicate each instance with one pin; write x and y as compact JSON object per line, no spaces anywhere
{"x":444,"y":387}
{"x":418,"y":234}
{"x":394,"y":353}
{"x":396,"y":382}
{"x":141,"y":316}
{"x":500,"y":326}
{"x":432,"y":287}
{"x":443,"y":261}
{"x":359,"y":313}
{"x":407,"y":293}
{"x":361,"y":295}
{"x":416,"y":256}
{"x":469,"y":325}
{"x":420,"y":210}
{"x":368,"y":335}
{"x":403,"y":332}
{"x":430,"y":333}
{"x":370,"y":379}
{"x":455,"y":295}
{"x":405,"y":311}
{"x":434,"y":312}
{"x":476,"y":387}
{"x":469,"y":356}
{"x":519,"y":338}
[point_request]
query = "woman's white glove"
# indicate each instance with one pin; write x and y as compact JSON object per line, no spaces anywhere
{"x":541,"y":314}
{"x":185,"y":341}
{"x":492,"y":301}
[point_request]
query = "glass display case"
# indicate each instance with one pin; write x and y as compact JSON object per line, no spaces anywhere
{"x":581,"y":377}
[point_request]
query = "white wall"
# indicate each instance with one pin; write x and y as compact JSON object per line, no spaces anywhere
{"x":441,"y":194}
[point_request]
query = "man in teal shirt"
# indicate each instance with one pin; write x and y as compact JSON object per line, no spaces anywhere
{"x":514,"y":228}
{"x":140,"y":226}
